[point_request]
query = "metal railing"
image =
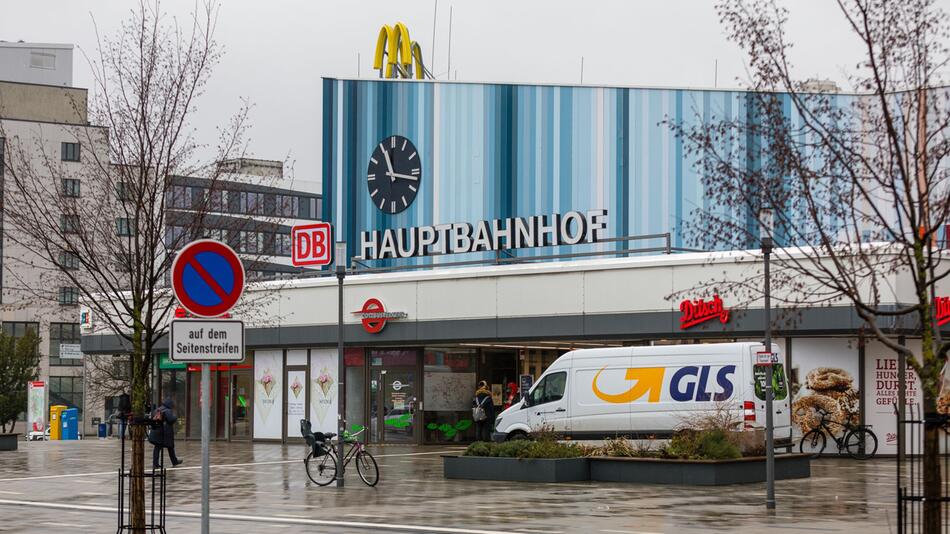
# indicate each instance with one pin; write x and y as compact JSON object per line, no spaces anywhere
{"x":912,"y":500}
{"x":360,"y":265}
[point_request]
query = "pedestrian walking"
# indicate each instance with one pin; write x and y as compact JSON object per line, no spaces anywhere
{"x":483,"y":412}
{"x":162,"y":435}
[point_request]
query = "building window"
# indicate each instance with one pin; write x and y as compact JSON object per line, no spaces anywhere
{"x":283,"y":244}
{"x":66,"y":390}
{"x":69,"y":224}
{"x":216,"y":201}
{"x":68,"y":260}
{"x":59,"y":334}
{"x":123,"y":191}
{"x":70,"y":187}
{"x":19,"y":329}
{"x":68,"y":295}
{"x":42,"y":60}
{"x":70,"y":151}
{"x":124,"y":226}
{"x":288,"y":205}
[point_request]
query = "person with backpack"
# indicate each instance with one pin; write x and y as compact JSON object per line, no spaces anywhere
{"x":483,"y":412}
{"x":162,"y":434}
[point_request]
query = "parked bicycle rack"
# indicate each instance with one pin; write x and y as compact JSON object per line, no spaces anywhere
{"x":910,"y":471}
{"x":155,"y":508}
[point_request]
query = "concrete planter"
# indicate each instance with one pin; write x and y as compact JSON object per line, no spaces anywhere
{"x":627,"y":470}
{"x":515,"y":469}
{"x":8,"y":442}
{"x":697,"y":472}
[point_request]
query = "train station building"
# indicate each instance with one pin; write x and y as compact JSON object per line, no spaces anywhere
{"x":490,"y":228}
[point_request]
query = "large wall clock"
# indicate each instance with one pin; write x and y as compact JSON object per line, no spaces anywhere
{"x":394,"y":174}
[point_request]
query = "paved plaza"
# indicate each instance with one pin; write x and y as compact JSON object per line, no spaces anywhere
{"x":259,"y":487}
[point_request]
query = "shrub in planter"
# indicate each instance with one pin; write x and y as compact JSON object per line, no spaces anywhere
{"x":714,"y":444}
{"x":525,"y":449}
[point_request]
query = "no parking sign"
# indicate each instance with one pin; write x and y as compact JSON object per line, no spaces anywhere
{"x":208,"y":278}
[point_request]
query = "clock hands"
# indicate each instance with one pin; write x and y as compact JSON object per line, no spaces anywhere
{"x":389,"y":162}
{"x":395,"y":175}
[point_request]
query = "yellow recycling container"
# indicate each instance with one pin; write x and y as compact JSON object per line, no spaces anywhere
{"x":56,"y":421}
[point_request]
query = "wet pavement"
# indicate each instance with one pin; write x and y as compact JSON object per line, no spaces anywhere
{"x":261,"y":487}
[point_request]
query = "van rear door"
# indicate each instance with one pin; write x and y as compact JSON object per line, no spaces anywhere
{"x":781,"y":410}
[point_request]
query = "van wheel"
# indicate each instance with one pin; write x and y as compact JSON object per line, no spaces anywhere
{"x":517,"y":435}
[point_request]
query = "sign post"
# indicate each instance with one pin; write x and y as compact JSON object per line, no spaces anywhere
{"x":208,"y":280}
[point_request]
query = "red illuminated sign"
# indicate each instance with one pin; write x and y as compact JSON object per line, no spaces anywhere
{"x":374,"y":315}
{"x":942,"y":310}
{"x":311,"y":244}
{"x":699,"y":311}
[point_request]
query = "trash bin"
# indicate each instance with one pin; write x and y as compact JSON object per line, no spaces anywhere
{"x":103,"y":431}
{"x":71,"y":423}
{"x":56,"y":422}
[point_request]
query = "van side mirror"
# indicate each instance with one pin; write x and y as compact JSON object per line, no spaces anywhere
{"x":526,"y":403}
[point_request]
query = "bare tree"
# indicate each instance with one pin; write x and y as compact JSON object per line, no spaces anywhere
{"x":858,"y":183}
{"x":111,"y":242}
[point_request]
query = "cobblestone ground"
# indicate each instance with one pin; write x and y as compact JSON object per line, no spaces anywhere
{"x":65,"y":486}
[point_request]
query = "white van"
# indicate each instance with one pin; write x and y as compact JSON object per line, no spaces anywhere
{"x":640,"y":392}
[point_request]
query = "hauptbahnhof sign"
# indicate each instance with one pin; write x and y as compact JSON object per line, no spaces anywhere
{"x":572,"y":228}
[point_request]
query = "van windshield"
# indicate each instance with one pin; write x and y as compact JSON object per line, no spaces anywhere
{"x":779,"y":388}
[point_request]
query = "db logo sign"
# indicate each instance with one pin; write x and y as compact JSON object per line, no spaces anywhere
{"x":312,"y":244}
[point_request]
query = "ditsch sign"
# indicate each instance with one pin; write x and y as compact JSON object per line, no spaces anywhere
{"x":699,"y":311}
{"x":374,"y":315}
{"x":942,"y":310}
{"x":311,"y":244}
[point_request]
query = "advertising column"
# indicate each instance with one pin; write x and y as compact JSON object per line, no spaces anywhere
{"x":268,"y":395}
{"x":882,"y":372}
{"x":36,"y":407}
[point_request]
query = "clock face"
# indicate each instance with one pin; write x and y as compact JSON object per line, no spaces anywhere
{"x":394,"y":174}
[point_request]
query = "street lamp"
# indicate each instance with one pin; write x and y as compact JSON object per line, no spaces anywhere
{"x":339,"y":258}
{"x":766,"y":226}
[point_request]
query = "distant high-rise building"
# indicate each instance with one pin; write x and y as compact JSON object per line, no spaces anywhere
{"x":40,"y":63}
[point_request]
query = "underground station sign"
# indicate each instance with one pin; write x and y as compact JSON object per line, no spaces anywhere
{"x":208,"y":280}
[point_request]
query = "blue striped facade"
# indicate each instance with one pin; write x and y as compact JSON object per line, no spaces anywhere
{"x":498,"y":150}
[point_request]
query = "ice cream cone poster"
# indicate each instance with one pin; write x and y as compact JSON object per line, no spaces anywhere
{"x":268,"y":395}
{"x":296,"y":401}
{"x":323,"y":389}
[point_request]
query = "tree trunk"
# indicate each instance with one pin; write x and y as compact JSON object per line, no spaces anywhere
{"x":137,"y":483}
{"x":932,"y":477}
{"x":139,"y":398}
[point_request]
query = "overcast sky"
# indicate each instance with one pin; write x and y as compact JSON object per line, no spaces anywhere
{"x":276,"y":51}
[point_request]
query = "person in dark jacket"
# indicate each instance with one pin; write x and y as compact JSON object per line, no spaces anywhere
{"x":483,"y":399}
{"x":163,"y":433}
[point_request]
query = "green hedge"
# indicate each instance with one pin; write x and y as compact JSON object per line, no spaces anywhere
{"x":525,"y":449}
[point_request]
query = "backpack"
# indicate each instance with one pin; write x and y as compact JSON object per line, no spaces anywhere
{"x":478,"y":412}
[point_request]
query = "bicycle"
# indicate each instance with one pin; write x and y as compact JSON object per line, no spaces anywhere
{"x":858,"y":440}
{"x":322,"y":462}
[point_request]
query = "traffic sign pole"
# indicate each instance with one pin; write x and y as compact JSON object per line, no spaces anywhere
{"x":205,"y":448}
{"x":208,"y":280}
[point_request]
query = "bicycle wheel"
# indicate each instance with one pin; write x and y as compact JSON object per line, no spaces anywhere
{"x":856,"y":438}
{"x":321,"y":469}
{"x":813,"y":443}
{"x":366,"y":467}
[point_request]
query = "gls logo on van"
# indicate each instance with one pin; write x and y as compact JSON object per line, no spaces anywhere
{"x":687,"y":384}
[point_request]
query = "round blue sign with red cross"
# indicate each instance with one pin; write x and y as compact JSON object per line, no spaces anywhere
{"x":207,"y":278}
